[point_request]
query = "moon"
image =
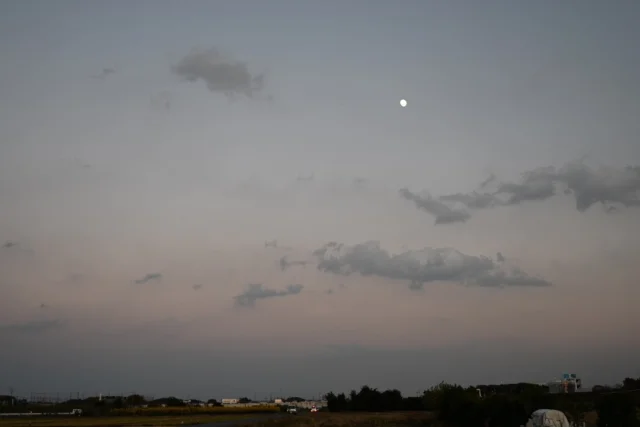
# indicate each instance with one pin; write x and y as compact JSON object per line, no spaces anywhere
{"x":403,"y":102}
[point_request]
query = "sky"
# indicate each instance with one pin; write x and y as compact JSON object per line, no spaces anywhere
{"x":224,"y":199}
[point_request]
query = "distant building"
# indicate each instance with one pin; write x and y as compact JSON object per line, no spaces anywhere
{"x":308,"y":404}
{"x":8,"y":400}
{"x":570,"y":383}
{"x":230,"y":401}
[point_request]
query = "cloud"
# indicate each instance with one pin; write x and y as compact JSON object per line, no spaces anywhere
{"x":444,"y":214}
{"x":274,"y":244}
{"x":284,"y":264}
{"x":197,"y":287}
{"x":220,"y":72}
{"x":606,"y":185}
{"x":149,"y":277}
{"x":15,"y":247}
{"x":420,"y":266}
{"x":256,"y":292}
{"x":487,"y":181}
{"x":103,"y":74}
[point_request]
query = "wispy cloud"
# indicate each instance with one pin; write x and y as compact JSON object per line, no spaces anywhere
{"x":285,"y":263}
{"x":148,"y":278}
{"x":421,"y":266}
{"x":257,"y":292}
{"x":104,"y":73}
{"x":611,"y":187}
{"x":443,"y":213}
{"x":306,"y":178}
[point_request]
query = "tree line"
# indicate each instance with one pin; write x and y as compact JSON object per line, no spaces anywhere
{"x":499,"y":405}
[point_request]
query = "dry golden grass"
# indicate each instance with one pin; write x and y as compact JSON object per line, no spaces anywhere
{"x":121,"y":421}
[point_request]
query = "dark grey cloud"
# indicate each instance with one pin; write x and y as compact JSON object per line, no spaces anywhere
{"x":148,"y":278}
{"x":197,"y":287}
{"x":256,"y":292}
{"x":537,"y":184}
{"x":9,"y":244}
{"x":284,"y":263}
{"x":611,"y":187}
{"x":220,"y":72}
{"x":32,"y":327}
{"x":104,"y":73}
{"x":420,"y":266}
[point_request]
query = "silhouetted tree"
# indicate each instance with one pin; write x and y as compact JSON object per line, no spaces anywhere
{"x":118,"y":402}
{"x":134,"y":400}
{"x":631,"y":384}
{"x":617,"y":409}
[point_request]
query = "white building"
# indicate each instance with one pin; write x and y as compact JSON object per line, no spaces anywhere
{"x":570,"y":383}
{"x":230,"y":401}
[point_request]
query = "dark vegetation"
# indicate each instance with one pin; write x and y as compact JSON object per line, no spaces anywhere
{"x":500,"y":405}
{"x":93,"y":406}
{"x":454,"y":406}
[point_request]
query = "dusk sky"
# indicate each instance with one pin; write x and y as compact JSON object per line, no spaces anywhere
{"x":225,"y":198}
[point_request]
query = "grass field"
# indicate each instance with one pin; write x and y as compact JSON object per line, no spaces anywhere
{"x":352,"y":419}
{"x":321,"y":419}
{"x":186,"y":410}
{"x":403,"y":419}
{"x":122,"y":421}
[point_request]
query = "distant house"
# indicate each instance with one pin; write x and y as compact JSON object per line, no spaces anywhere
{"x":230,"y":401}
{"x":193,"y":402}
{"x":6,"y":400}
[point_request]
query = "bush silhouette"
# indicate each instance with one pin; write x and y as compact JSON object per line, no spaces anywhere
{"x":617,"y":409}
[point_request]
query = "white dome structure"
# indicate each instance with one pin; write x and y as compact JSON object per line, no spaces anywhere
{"x":548,"y":418}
